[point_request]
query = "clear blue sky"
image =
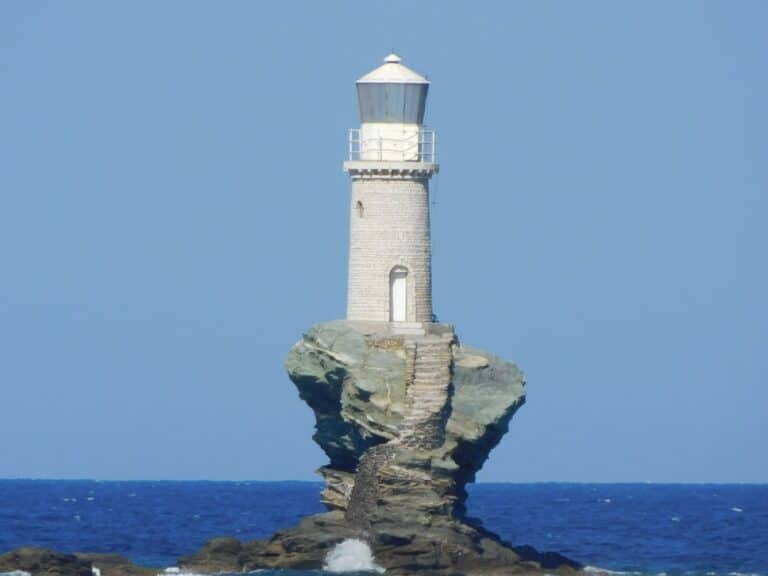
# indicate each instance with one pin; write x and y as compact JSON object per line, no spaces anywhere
{"x":173,"y":215}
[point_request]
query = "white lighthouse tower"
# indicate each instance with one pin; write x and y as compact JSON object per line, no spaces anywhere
{"x":391,"y":159}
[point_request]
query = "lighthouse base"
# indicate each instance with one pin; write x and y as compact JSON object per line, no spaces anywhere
{"x":406,"y":421}
{"x":446,"y":547}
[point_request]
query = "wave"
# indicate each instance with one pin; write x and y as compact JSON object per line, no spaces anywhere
{"x":351,"y":555}
{"x":176,"y":571}
{"x":597,"y":570}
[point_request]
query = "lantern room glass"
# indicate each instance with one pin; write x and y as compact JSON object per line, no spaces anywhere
{"x":392,"y":102}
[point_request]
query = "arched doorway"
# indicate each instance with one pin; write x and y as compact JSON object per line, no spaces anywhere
{"x":398,"y":291}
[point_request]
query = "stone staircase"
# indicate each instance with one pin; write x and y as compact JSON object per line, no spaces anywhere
{"x":379,"y":479}
{"x":363,"y":500}
{"x":428,"y":364}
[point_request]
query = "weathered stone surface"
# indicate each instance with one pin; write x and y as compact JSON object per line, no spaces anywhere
{"x":43,"y":561}
{"x":222,"y":554}
{"x":354,"y":378}
{"x":442,"y":547}
{"x":116,"y":565}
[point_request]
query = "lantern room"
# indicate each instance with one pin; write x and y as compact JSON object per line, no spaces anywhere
{"x":392,"y":100}
{"x":392,"y":93}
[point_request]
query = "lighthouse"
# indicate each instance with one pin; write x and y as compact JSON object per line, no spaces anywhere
{"x":391,"y":158}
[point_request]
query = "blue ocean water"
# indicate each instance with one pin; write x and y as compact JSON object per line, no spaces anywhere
{"x":648,"y":528}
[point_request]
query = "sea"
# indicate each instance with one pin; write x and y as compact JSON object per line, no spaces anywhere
{"x":653,"y":529}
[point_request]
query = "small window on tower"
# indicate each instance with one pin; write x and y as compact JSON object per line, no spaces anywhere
{"x":360,"y":209}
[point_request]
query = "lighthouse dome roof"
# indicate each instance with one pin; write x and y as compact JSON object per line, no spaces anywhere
{"x":393,"y":72}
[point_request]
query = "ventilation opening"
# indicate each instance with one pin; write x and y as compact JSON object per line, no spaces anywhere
{"x":360,"y":209}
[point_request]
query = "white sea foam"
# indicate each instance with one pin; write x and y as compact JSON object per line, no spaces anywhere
{"x":95,"y":571}
{"x":598,"y":570}
{"x":15,"y":573}
{"x":351,"y":555}
{"x":737,"y":509}
{"x":176,"y":571}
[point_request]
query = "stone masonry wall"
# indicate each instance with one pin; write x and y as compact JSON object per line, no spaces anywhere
{"x":389,"y":227}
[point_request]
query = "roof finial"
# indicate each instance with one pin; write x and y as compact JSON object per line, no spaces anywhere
{"x":393,"y":58}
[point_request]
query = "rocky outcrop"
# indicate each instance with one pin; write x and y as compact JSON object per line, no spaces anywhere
{"x":442,"y":547}
{"x":115,"y":565}
{"x":406,"y":420}
{"x":43,"y":561}
{"x":46,"y":562}
{"x":439,"y":405}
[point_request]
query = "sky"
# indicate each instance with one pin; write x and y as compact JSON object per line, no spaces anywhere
{"x":173,"y":215}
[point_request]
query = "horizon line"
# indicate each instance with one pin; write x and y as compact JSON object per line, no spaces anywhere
{"x":320,"y":482}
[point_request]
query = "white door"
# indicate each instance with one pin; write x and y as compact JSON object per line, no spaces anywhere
{"x":397,"y":294}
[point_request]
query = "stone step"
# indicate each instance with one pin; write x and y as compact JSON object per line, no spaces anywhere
{"x":423,"y":401}
{"x":434,"y":378}
{"x":423,"y":358}
{"x":434,"y":394}
{"x":430,"y":381}
{"x":429,"y":396}
{"x":429,"y":384}
{"x":424,"y":389}
{"x":435,"y":374}
{"x":431,"y":393}
{"x":428,"y":402}
{"x":429,"y":366}
{"x":426,"y":406}
{"x":423,"y":410}
{"x":426,"y":409}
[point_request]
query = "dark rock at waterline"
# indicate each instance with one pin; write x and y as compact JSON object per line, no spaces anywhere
{"x":444,"y":547}
{"x":44,"y":561}
{"x":116,"y":565}
{"x":223,"y":554}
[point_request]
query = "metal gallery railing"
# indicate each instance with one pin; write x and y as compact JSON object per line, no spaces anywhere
{"x":419,"y":146}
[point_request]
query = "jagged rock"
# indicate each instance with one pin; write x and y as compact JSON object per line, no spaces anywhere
{"x":354,"y":377}
{"x":222,"y":554}
{"x":406,"y":421}
{"x":44,"y":562}
{"x":116,"y":565}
